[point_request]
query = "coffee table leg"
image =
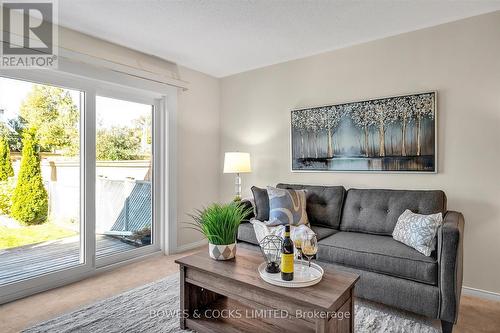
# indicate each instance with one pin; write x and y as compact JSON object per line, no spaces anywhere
{"x":335,"y":325}
{"x":322,"y":326}
{"x":184,"y":297}
{"x":352,"y":313}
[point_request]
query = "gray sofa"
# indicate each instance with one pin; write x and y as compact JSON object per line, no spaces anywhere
{"x":354,"y":229}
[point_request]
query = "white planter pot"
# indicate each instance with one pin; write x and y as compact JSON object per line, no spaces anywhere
{"x":222,"y":252}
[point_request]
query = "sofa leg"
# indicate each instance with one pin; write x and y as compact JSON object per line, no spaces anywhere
{"x":446,"y":326}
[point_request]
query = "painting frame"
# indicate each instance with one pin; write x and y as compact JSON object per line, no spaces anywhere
{"x":371,"y":99}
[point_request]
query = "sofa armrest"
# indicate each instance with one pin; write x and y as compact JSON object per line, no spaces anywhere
{"x":450,"y":260}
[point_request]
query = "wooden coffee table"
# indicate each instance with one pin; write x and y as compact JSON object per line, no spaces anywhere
{"x":230,"y":296}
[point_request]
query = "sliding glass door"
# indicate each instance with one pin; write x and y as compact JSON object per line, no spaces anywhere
{"x":40,"y":183}
{"x":78,"y":183}
{"x":124,"y":176}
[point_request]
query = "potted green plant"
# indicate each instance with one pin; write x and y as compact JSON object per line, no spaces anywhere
{"x":219,"y":224}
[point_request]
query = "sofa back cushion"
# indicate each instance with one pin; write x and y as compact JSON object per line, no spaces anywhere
{"x":323,"y":203}
{"x":261,"y":203}
{"x":377,"y":211}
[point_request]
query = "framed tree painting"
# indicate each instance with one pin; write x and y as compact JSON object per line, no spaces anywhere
{"x":393,"y":134}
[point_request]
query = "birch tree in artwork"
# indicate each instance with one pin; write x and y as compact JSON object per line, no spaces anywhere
{"x":424,"y":107}
{"x":385,"y":114}
{"x":334,"y":115}
{"x":362,"y":115}
{"x":315,"y":122}
{"x":299,"y":124}
{"x":307,"y":127}
{"x":404,"y":112}
{"x":381,"y":116}
{"x":323,"y":125}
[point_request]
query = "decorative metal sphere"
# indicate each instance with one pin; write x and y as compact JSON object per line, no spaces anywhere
{"x":270,"y":247}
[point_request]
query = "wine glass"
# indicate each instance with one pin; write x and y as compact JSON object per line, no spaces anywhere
{"x":297,"y":242}
{"x":309,"y":246}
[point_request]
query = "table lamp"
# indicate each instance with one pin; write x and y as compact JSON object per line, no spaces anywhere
{"x":236,"y":162}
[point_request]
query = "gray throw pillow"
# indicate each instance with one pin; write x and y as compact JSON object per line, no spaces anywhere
{"x":261,"y":203}
{"x":287,"y":206}
{"x":418,"y":231}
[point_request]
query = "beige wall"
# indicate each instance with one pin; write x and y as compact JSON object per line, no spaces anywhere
{"x":460,"y":60}
{"x":198,"y":150}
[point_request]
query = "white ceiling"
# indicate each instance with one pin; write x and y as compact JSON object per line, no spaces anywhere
{"x":224,"y":37}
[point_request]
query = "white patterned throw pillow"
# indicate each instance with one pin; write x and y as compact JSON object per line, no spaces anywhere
{"x":418,"y":231}
{"x":287,"y":206}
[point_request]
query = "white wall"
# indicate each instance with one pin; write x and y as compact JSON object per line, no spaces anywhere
{"x":198,"y":150}
{"x":460,"y":60}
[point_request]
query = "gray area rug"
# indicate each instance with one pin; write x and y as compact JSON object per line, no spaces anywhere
{"x":153,"y":308}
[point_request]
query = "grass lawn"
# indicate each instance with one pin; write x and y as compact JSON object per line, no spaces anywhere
{"x":14,"y":237}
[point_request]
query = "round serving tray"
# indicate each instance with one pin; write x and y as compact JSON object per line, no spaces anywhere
{"x":303,"y":276}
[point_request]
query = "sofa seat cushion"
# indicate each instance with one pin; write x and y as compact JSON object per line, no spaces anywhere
{"x":323,"y":232}
{"x":247,"y":234}
{"x":381,"y":254}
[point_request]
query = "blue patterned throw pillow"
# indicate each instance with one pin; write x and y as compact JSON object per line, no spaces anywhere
{"x":418,"y":231}
{"x":287,"y":206}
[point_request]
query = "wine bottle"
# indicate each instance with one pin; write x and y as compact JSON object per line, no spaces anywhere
{"x":287,"y":256}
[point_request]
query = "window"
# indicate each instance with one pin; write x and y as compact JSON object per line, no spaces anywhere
{"x":124,"y":174}
{"x":40,"y":183}
{"x":99,"y":149}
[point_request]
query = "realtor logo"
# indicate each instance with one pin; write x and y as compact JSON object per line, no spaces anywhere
{"x":29,"y":30}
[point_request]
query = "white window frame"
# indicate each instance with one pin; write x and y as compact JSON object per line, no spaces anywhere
{"x":108,"y":83}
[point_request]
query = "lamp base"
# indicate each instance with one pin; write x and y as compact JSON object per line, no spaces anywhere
{"x":237,"y":187}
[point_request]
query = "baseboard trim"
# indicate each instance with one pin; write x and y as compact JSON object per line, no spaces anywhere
{"x":190,"y":246}
{"x":481,"y":293}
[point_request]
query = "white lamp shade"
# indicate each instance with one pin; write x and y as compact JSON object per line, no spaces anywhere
{"x":236,"y":162}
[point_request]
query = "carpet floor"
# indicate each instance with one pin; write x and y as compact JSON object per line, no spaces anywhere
{"x":152,"y":308}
